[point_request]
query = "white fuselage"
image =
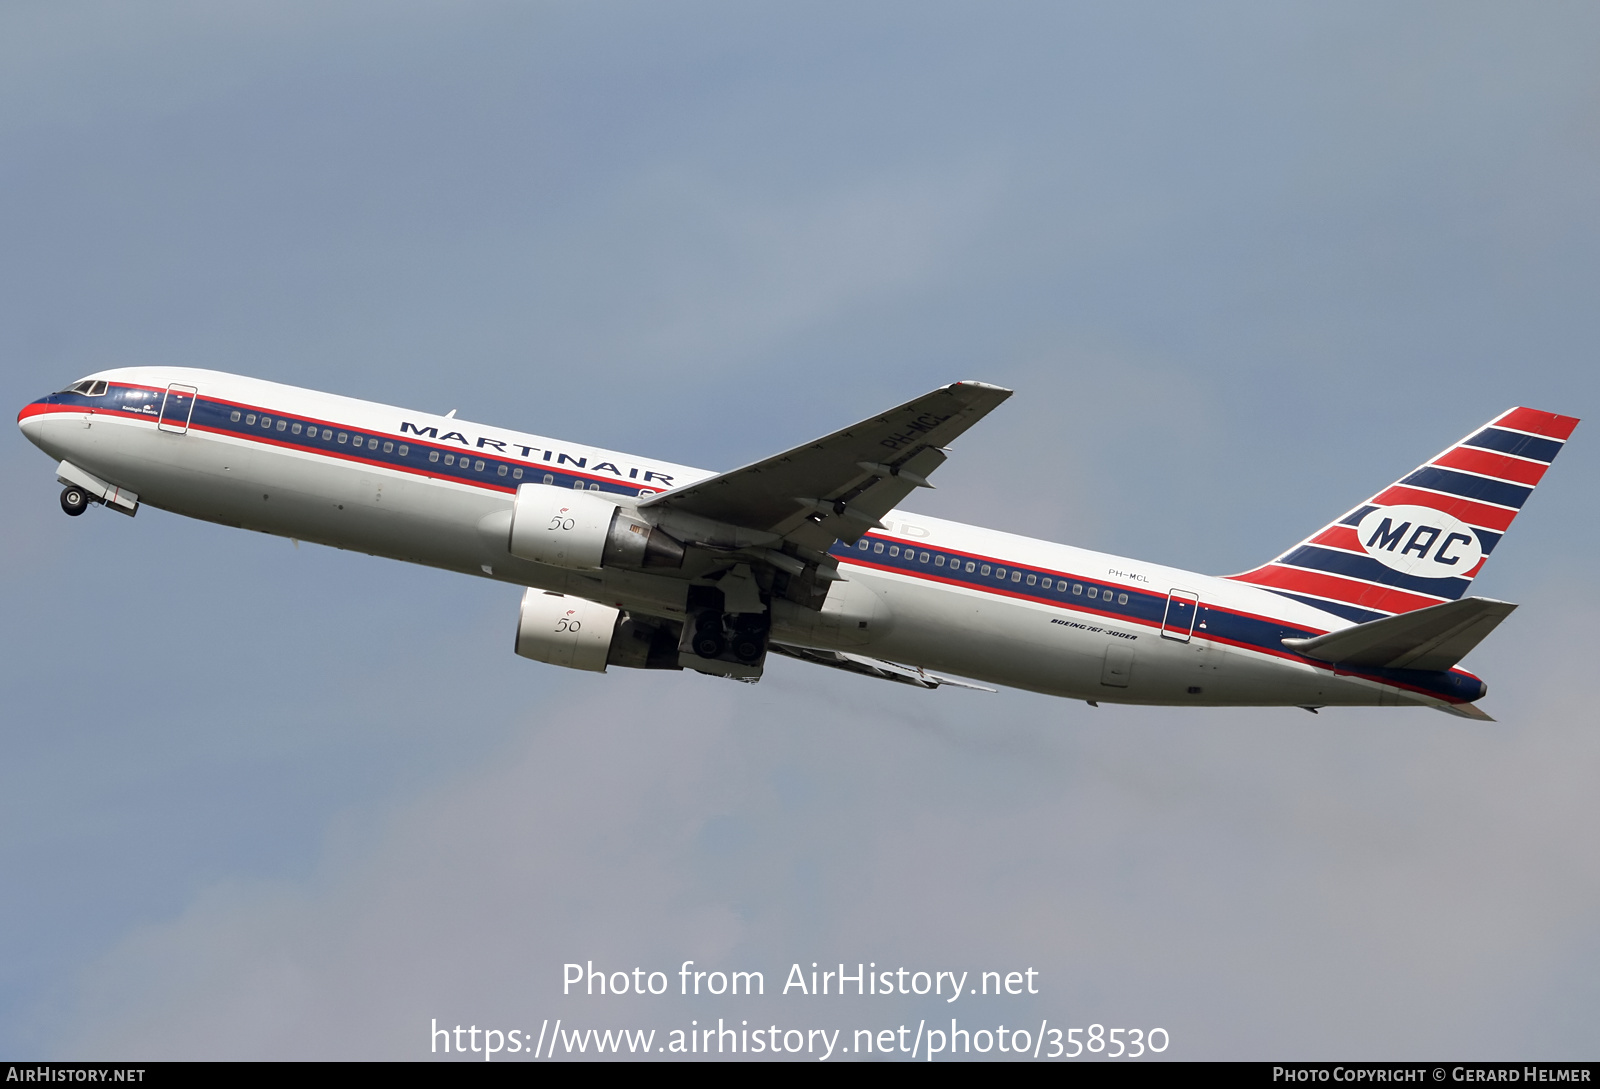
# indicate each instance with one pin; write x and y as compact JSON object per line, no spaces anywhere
{"x":399,"y":498}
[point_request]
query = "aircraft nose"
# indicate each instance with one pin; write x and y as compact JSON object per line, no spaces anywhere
{"x":29,"y":411}
{"x":32,"y":417}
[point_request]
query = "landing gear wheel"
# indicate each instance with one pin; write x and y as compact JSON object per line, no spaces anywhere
{"x":747,"y":648}
{"x":710,"y":644}
{"x":74,"y":500}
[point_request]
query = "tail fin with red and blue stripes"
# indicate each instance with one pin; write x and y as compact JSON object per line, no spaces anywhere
{"x":1423,"y":539}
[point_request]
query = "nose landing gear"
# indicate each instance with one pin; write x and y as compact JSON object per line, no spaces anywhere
{"x":74,"y":500}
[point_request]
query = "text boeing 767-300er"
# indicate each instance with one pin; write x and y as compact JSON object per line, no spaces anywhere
{"x":630,"y":561}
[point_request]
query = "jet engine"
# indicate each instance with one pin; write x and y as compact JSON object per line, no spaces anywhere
{"x":581,"y":634}
{"x":583,"y":531}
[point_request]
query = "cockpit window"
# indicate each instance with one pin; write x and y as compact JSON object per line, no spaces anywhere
{"x":88,"y":387}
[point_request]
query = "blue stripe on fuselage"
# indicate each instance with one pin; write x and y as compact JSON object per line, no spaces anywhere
{"x":1145,"y":607}
{"x":480,"y":468}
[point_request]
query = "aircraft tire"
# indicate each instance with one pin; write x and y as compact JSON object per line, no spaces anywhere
{"x":74,"y":500}
{"x":710,"y":644}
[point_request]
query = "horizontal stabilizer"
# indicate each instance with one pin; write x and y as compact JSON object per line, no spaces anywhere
{"x":873,"y":667}
{"x":1435,"y":638}
{"x":1465,"y":710}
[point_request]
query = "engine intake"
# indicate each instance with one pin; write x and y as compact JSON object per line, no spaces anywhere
{"x":583,"y":531}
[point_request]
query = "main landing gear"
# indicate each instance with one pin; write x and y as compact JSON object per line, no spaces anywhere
{"x":749,"y":640}
{"x":74,"y":500}
{"x":708,"y":640}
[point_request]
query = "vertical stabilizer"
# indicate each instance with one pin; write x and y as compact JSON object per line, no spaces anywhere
{"x":1422,"y":540}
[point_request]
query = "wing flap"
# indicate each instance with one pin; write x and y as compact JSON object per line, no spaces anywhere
{"x":873,"y":667}
{"x":1434,"y":638}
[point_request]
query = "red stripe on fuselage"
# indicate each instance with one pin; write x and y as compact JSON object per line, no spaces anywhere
{"x":1075,"y":606}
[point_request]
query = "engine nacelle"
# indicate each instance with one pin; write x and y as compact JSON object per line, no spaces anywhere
{"x":580,"y":634}
{"x":566,"y":631}
{"x":583,"y":531}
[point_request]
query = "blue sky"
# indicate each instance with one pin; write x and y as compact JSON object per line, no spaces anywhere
{"x":1244,"y":265}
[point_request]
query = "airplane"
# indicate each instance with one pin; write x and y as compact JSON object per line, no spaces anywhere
{"x":635,"y":562}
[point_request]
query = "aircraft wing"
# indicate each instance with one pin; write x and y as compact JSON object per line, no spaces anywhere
{"x":840,"y":485}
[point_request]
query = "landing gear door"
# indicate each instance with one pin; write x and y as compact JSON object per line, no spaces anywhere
{"x":177,"y":406}
{"x":1178,"y":621}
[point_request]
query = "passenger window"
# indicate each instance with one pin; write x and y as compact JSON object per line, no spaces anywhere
{"x":250,"y":420}
{"x":863,"y":544}
{"x":1016,"y":576}
{"x":894,"y":550}
{"x":577,"y":485}
{"x":295,"y":429}
{"x":1045,"y":584}
{"x":266,"y":422}
{"x":999,"y":572}
{"x":516,"y":474}
{"x":503,"y":470}
{"x":878,"y":547}
{"x":1122,"y":599}
{"x":1077,"y":587}
{"x":355,"y":440}
{"x":404,"y":450}
{"x":235,"y":416}
{"x":283,"y":425}
{"x":550,"y":479}
{"x":1034,"y":578}
{"x":938,"y":561}
{"x":449,"y":459}
{"x":372,"y":444}
{"x":922,"y":558}
{"x":388,"y":448}
{"x":592,"y":487}
{"x":326,"y":434}
{"x":433,"y":455}
{"x":971,"y":567}
{"x":478,"y":465}
{"x":984,"y":570}
{"x":344,"y":436}
{"x":1094,"y":591}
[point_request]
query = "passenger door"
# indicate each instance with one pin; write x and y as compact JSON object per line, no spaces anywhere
{"x":1178,"y":620}
{"x":177,"y":407}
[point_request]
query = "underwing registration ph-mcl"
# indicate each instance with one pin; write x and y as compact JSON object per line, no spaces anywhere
{"x":626,"y":560}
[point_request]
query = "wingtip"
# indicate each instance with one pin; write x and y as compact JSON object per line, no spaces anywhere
{"x":972,"y":383}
